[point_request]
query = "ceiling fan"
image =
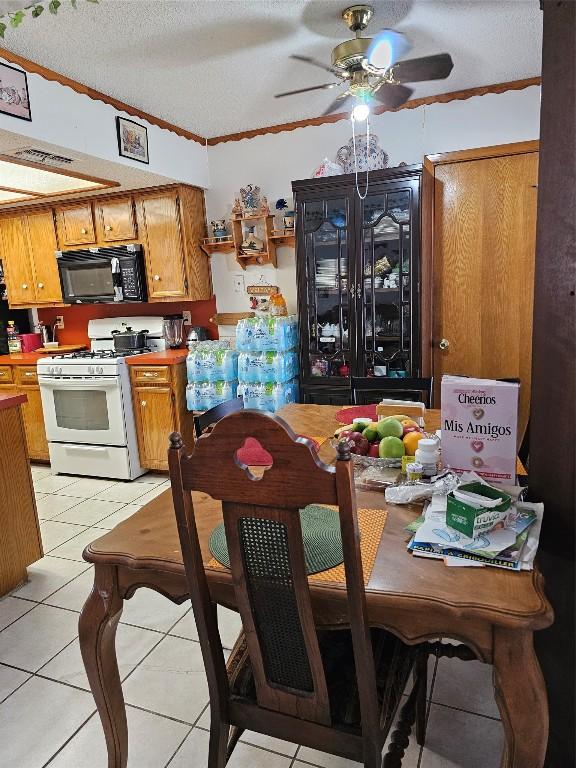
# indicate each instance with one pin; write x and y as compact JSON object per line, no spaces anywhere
{"x":370,"y":67}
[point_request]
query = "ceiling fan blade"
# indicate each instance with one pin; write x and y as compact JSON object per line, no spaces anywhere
{"x":326,"y":86}
{"x":435,"y":67}
{"x":340,"y":104}
{"x":386,"y":48}
{"x":392,"y":96}
{"x":316,"y":63}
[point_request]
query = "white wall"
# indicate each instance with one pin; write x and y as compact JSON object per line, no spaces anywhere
{"x":68,"y":119}
{"x":273,"y":161}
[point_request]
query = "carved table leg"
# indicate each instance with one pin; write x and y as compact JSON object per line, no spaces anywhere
{"x":521,"y":697}
{"x":97,"y":627}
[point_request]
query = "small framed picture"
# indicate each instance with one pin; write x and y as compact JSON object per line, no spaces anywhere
{"x":132,"y":140}
{"x":14,"y":99}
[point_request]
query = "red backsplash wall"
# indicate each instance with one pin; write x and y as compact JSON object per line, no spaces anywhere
{"x":76,"y":317}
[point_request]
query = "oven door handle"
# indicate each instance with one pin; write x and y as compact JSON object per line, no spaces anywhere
{"x":51,"y":383}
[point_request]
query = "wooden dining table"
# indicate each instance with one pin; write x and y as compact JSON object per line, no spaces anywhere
{"x":494,"y":612}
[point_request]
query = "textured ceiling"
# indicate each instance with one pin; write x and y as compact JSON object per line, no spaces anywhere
{"x":213,"y":66}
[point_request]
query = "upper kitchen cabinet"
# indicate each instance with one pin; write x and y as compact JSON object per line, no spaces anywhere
{"x":28,"y":245}
{"x":115,"y":220}
{"x":171,"y":224}
{"x":75,"y":224}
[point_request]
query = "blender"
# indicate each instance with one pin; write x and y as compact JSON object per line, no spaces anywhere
{"x":173,"y":330}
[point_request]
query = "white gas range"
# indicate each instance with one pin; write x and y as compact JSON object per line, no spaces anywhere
{"x":87,"y":403}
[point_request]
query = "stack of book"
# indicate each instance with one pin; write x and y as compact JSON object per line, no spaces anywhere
{"x":512,"y":544}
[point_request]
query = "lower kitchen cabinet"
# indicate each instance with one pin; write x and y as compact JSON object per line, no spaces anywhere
{"x":159,"y":397}
{"x":24,"y":380}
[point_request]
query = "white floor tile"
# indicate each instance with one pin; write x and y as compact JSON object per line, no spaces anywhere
{"x":88,"y":487}
{"x":170,"y":681}
{"x":151,"y":478}
{"x":256,"y":739}
{"x":465,"y":685}
{"x":229,"y":624}
{"x":32,"y":725}
{"x":151,"y":610}
{"x":73,"y":595}
{"x":72,"y":550}
{"x":47,"y":575}
{"x":194,"y":754}
{"x":152,"y":493}
{"x":125,"y":492}
{"x":40,"y":634}
{"x":50,"y":505}
{"x":40,"y":470}
{"x":53,"y":483}
{"x":11,"y":609}
{"x":124,"y":512}
{"x":152,"y":740}
{"x":10,"y":679}
{"x":54,"y":534}
{"x":87,"y":511}
{"x":324,"y":760}
{"x":132,"y":644}
{"x":457,"y":739}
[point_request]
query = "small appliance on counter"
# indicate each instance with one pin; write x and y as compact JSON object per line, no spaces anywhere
{"x":196,"y":333}
{"x":102,"y":275}
{"x":87,"y":402}
{"x":174,"y":330}
{"x":30,"y":341}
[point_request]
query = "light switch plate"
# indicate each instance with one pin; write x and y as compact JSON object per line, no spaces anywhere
{"x":238,"y":282}
{"x":187,"y":317}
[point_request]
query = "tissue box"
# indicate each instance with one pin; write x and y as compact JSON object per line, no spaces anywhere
{"x":470,"y":520}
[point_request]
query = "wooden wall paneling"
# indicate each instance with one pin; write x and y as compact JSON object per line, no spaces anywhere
{"x":41,"y":236}
{"x":552,"y":469}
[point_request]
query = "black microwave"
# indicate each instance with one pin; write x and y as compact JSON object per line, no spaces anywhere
{"x":102,"y":275}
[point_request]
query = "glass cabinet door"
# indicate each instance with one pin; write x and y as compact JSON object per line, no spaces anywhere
{"x":326,"y":234}
{"x":387,"y":345}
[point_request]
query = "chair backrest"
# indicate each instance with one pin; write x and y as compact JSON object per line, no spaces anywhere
{"x":379,"y":387}
{"x":264,"y":537}
{"x":210,"y":417}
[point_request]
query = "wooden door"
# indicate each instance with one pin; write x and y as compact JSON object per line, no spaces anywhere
{"x":16,"y":261}
{"x":76,"y":225}
{"x":483,"y":269}
{"x":42,"y":247}
{"x":33,"y":415}
{"x":115,"y":220}
{"x":155,"y":420}
{"x":160,"y":219}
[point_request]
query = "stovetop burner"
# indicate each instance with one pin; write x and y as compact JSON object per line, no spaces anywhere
{"x":101,"y":354}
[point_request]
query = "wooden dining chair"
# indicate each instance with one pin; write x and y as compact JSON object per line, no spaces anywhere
{"x":335,"y":690}
{"x":207,"y":419}
{"x":373,"y":390}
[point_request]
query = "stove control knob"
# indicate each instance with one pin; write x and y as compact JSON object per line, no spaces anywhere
{"x":99,"y":369}
{"x":90,"y":369}
{"x":51,"y":369}
{"x":59,"y":369}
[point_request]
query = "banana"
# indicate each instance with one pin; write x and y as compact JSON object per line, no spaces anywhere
{"x":343,"y":429}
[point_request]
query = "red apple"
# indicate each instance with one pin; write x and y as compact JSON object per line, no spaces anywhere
{"x":409,"y":428}
{"x":374,"y":450}
{"x":362,"y":446}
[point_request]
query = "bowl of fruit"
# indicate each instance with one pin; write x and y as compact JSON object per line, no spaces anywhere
{"x":384,"y":441}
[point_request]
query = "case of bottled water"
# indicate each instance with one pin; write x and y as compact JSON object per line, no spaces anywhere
{"x":267,"y":333}
{"x":203,"y":395}
{"x":212,"y":363}
{"x":267,"y":366}
{"x":268,"y":396}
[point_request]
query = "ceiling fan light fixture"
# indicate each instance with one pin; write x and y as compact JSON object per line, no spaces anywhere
{"x":386,"y":48}
{"x":360,"y":112}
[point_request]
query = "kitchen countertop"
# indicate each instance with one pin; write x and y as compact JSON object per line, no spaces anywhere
{"x":11,"y":401}
{"x":22,"y":358}
{"x":167,"y":357}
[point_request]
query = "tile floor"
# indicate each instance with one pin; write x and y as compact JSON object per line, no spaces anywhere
{"x":47,"y":714}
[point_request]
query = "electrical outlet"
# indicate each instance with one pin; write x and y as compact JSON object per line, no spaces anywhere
{"x":187,"y":317}
{"x":238,"y":282}
{"x":59,"y":322}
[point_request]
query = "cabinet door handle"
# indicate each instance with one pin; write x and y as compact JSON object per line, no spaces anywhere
{"x":108,"y":228}
{"x":443,"y":343}
{"x":83,"y":231}
{"x":40,"y":285}
{"x":352,"y":289}
{"x":156,"y":277}
{"x":150,"y":375}
{"x":29,"y":373}
{"x":25,"y":286}
{"x":143,"y":403}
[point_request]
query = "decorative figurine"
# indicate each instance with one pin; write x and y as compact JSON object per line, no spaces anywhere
{"x":237,"y":209}
{"x":265,"y":208}
{"x":250,"y":199}
{"x":251,"y":243}
{"x":219,"y":229}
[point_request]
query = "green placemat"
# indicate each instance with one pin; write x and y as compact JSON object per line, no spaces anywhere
{"x":320,"y":534}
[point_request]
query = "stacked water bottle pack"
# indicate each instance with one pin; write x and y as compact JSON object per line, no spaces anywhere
{"x":267,"y":361}
{"x":212,"y":374}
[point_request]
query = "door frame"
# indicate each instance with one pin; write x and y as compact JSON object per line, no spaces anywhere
{"x":431,"y":162}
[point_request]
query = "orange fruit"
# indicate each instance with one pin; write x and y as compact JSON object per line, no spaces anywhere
{"x":411,"y":441}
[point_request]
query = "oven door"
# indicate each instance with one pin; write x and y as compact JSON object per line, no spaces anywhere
{"x":88,"y":279}
{"x":83,"y":410}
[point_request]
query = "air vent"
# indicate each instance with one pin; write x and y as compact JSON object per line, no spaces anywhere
{"x":40,"y":156}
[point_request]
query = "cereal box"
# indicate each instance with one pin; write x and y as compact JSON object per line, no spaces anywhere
{"x":479,"y":427}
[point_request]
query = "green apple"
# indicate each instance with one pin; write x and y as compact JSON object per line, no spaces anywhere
{"x":391,"y":448}
{"x":390,"y":427}
{"x":371,"y":432}
{"x":361,"y":423}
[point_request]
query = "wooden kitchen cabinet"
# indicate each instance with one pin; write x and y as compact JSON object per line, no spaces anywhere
{"x":26,"y":378}
{"x":28,"y":246}
{"x":171,"y":225}
{"x":75,"y":224}
{"x":115,"y":220}
{"x":159,"y":398}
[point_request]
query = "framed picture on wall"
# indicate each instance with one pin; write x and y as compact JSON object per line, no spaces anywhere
{"x":132,"y":140}
{"x":14,"y":99}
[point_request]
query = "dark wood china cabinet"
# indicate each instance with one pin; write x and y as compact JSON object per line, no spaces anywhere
{"x":358,"y":280}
